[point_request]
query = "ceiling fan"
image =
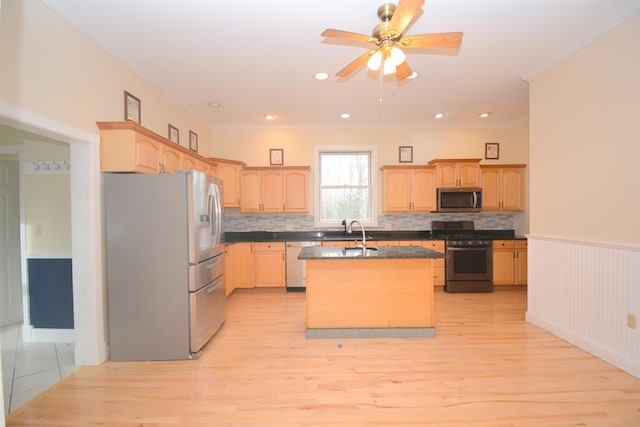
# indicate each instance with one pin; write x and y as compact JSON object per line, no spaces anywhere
{"x":388,"y":37}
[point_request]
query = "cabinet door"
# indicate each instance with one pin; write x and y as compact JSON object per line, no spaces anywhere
{"x":229,"y":282}
{"x":271,"y":192}
{"x":521,"y":262}
{"x":447,"y":175}
{"x":230,"y":175}
{"x":243,"y":265}
{"x":188,"y":162}
{"x":250,"y":184}
{"x":170,"y":160}
{"x":295,"y":188}
{"x":146,"y":154}
{"x":438,"y":264}
{"x":269,"y":265}
{"x":491,"y":187}
{"x":397,"y":192}
{"x":423,"y":190}
{"x":503,"y":262}
{"x":468,"y":174}
{"x":512,"y":189}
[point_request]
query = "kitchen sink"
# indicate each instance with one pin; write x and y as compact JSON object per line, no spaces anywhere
{"x":359,"y":251}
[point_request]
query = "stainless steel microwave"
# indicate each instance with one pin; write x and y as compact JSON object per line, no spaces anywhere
{"x":459,"y":199}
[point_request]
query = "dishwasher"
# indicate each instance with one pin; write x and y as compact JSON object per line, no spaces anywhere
{"x":296,"y":273}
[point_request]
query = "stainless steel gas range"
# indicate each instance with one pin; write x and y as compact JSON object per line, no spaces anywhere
{"x":469,"y":262}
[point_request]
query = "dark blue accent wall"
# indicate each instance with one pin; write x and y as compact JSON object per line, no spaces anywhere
{"x":50,"y":293}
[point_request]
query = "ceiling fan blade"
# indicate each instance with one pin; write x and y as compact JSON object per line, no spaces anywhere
{"x":403,"y":71}
{"x":404,"y":14}
{"x":346,"y":35}
{"x":438,"y":40}
{"x":360,"y":61}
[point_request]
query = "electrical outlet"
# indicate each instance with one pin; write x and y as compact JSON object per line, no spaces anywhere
{"x":289,"y":226}
{"x":387,"y":226}
{"x":631,"y":321}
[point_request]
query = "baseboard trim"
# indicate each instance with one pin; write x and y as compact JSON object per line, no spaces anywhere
{"x":629,"y":366}
{"x":31,"y":334}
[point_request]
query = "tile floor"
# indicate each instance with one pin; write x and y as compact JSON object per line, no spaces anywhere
{"x":29,"y":368}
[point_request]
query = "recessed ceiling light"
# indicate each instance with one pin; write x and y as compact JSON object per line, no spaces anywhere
{"x":438,"y":115}
{"x":268,"y":116}
{"x":484,"y":115}
{"x":321,"y":76}
{"x":214,"y":105}
{"x":412,"y":76}
{"x":345,"y":115}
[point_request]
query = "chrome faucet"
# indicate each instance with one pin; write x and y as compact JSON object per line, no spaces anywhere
{"x":350,"y":231}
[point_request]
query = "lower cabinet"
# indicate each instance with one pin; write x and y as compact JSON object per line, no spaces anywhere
{"x":241,"y":271}
{"x":509,"y":262}
{"x":438,"y":264}
{"x":269,"y":264}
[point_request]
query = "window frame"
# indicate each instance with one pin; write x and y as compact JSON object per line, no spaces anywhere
{"x":373,"y":178}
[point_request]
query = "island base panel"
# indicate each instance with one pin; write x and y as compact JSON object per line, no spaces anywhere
{"x":369,"y":293}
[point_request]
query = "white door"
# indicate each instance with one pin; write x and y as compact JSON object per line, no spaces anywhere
{"x":10,"y":288}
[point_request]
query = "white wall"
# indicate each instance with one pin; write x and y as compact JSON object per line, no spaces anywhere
{"x":584,"y":244}
{"x":57,"y":83}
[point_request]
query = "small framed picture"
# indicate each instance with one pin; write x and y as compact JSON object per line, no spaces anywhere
{"x":276,"y":156}
{"x":193,"y":141}
{"x":174,"y":134}
{"x":491,"y":150}
{"x":406,"y":154}
{"x":131,"y":108}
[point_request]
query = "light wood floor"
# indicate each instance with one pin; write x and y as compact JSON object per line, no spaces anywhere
{"x":485,"y":367}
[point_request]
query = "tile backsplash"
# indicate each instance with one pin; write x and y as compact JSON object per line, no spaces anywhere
{"x":400,"y":221}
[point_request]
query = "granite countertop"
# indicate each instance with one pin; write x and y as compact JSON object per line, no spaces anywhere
{"x":383,"y":252}
{"x":372,"y":235}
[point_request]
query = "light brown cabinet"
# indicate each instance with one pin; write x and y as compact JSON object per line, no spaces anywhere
{"x":269,"y":264}
{"x":509,"y":262}
{"x":409,"y":188}
{"x":241,"y":268}
{"x":229,"y":172}
{"x":457,"y":172}
{"x":274,"y":189}
{"x":502,"y":187}
{"x":438,"y":264}
{"x":129,"y":147}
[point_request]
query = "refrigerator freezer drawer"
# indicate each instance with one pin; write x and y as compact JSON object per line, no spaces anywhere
{"x":208,"y":307}
{"x":205,"y":272}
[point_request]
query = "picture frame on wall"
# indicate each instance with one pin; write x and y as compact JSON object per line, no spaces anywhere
{"x":491,"y":150}
{"x":174,"y":134}
{"x":276,"y":156}
{"x":193,"y":141}
{"x":132,"y":108}
{"x":405,"y":154}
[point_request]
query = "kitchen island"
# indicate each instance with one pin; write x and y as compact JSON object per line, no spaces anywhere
{"x":386,"y":292}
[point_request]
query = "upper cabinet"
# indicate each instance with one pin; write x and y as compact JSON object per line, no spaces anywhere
{"x":457,"y":172}
{"x":128,"y":147}
{"x":502,"y":187}
{"x":274,"y":189}
{"x":229,"y":171}
{"x":409,"y":188}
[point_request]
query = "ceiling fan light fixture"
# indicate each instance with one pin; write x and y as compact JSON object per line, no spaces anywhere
{"x":389,"y":67}
{"x":397,"y":56}
{"x":375,"y":61}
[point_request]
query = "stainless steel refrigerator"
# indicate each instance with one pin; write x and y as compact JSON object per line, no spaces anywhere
{"x":165,"y":264}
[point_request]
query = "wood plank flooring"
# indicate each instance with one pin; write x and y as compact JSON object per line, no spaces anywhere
{"x":485,"y":367}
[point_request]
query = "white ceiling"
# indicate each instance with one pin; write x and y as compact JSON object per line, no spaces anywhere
{"x":255,"y":57}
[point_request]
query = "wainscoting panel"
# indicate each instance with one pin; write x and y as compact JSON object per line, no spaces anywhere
{"x":583,"y":293}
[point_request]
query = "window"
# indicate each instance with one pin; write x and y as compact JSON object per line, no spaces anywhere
{"x":345,"y":185}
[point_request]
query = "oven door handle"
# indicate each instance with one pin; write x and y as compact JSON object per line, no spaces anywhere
{"x":468,"y":248}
